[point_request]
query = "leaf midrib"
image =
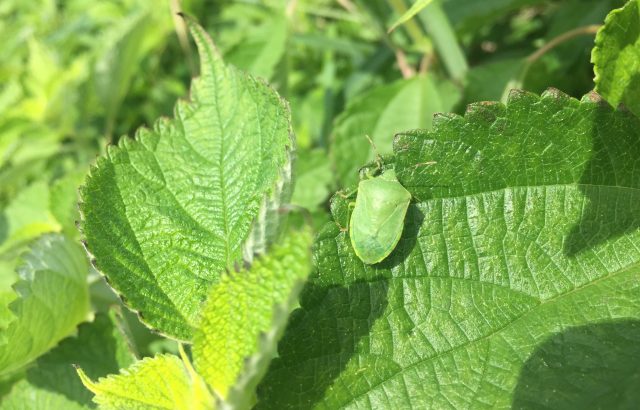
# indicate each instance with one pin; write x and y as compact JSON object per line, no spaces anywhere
{"x":467,"y":194}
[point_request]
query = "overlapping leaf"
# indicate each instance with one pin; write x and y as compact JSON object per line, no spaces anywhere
{"x":167,"y":212}
{"x":616,"y":57}
{"x":241,"y":324}
{"x":52,"y":382}
{"x":52,"y":298}
{"x":244,"y":318}
{"x":516,"y":281}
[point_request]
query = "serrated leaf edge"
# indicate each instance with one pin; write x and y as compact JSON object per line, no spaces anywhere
{"x":280,"y":189}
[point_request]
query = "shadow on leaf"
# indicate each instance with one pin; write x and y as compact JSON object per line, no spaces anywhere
{"x":610,"y":182}
{"x":586,"y":367}
{"x":95,"y":349}
{"x":320,"y":341}
{"x":412,"y":224}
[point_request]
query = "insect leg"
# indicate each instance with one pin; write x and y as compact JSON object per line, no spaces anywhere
{"x":350,"y":207}
{"x":347,"y":194}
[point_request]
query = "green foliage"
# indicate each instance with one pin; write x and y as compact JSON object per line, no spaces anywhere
{"x":313,"y":178}
{"x":51,"y":299}
{"x":99,"y":348}
{"x":165,"y":213}
{"x":409,"y":14}
{"x":25,"y":218}
{"x":377,"y":220}
{"x":258,"y":39}
{"x":54,"y":110}
{"x":236,"y":338}
{"x":245,"y":316}
{"x":513,"y":284}
{"x":616,"y":57}
{"x":524,"y":233}
{"x":162,"y":382}
{"x":381,"y":113}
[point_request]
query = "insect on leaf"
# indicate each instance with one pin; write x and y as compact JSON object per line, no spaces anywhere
{"x":377,"y":220}
{"x":520,"y":250}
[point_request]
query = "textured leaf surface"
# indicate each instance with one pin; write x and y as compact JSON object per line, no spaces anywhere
{"x":52,"y":298}
{"x":166,"y":213}
{"x":516,"y":281}
{"x":616,"y":57}
{"x":245,"y":316}
{"x":99,"y":348}
{"x":380,"y":114}
{"x":162,"y":382}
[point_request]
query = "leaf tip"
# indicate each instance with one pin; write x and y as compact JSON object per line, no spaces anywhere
{"x":555,"y":93}
{"x":86,"y":381}
{"x":517,"y":94}
{"x":593,"y":97}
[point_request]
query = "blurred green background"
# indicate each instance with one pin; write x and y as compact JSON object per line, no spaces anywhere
{"x":75,"y":75}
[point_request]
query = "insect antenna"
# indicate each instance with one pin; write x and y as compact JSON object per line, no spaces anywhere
{"x":379,"y":161}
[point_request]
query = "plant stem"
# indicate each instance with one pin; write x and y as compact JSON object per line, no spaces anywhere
{"x":580,"y":31}
{"x":405,"y":68}
{"x":535,"y":56}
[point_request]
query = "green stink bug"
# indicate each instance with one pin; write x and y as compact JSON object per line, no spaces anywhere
{"x":378,"y":216}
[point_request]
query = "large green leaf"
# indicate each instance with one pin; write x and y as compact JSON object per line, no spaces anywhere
{"x":616,"y":57}
{"x":516,"y":281}
{"x":52,"y":298}
{"x":380,"y":114}
{"x":165,"y":213}
{"x":53,"y":384}
{"x":245,"y":316}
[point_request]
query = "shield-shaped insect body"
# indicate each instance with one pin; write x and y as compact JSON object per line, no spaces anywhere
{"x":378,"y":217}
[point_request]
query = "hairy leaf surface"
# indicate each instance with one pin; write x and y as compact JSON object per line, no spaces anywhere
{"x":516,"y":281}
{"x":245,"y":316}
{"x":162,"y":382}
{"x":616,"y":57}
{"x":167,"y":212}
